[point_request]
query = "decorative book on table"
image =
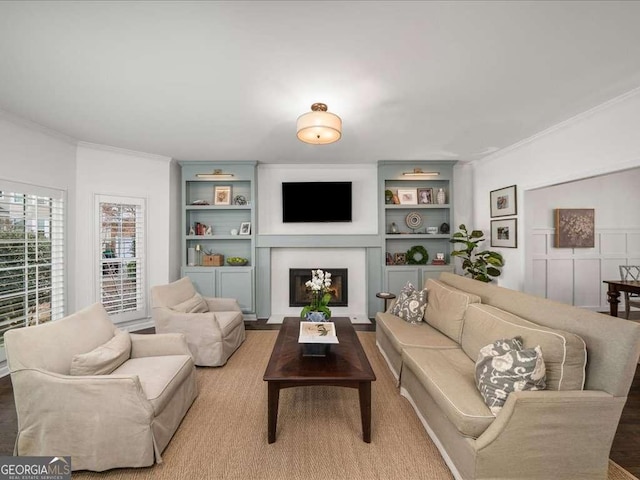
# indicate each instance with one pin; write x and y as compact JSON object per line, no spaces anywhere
{"x":317,"y":332}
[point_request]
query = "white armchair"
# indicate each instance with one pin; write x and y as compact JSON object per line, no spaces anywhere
{"x":103,"y":396}
{"x":214,"y":327}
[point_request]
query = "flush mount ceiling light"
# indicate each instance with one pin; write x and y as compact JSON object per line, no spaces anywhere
{"x":319,"y":126}
{"x":417,"y":172}
{"x":217,"y":173}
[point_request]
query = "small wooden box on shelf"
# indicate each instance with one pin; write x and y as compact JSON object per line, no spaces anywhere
{"x":215,"y":260}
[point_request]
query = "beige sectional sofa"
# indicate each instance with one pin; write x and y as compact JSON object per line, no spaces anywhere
{"x":105,"y":397}
{"x":564,"y":431}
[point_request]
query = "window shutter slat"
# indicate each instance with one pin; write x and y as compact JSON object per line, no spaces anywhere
{"x":32,"y":246}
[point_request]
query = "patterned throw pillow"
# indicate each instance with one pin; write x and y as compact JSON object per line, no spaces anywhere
{"x":406,"y":291}
{"x":411,"y":307}
{"x":504,"y":367}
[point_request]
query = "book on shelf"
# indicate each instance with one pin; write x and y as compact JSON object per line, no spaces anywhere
{"x":317,"y":332}
{"x":438,"y":262}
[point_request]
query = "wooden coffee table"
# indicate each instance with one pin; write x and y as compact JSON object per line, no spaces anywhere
{"x":346,"y":365}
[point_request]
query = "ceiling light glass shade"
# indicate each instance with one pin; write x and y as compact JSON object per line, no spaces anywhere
{"x":319,"y":126}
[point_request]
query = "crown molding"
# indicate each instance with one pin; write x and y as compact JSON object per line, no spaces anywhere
{"x":23,"y":122}
{"x":559,"y":126}
{"x":124,"y":151}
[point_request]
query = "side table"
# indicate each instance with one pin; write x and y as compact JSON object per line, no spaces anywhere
{"x":386,"y":296}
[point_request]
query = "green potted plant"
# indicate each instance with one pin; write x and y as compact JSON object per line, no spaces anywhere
{"x":318,"y":286}
{"x":483,"y":265}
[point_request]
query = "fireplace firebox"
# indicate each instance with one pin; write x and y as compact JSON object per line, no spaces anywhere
{"x":299,"y":296}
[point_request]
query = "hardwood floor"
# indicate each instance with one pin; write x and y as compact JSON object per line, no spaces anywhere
{"x":625,"y":450}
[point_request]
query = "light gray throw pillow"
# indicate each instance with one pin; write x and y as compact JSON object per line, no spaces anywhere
{"x":104,"y":359}
{"x":504,"y":367}
{"x":195,"y":304}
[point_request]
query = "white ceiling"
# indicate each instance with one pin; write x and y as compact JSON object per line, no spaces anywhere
{"x":227,"y":80}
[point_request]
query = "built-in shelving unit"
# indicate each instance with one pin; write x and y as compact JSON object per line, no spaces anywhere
{"x":223,"y":280}
{"x":394,"y":176}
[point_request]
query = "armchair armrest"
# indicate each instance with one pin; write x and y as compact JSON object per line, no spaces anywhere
{"x":202,"y":324}
{"x":555,"y":425}
{"x":158,"y":344}
{"x":219,"y":304}
{"x":84,"y":416}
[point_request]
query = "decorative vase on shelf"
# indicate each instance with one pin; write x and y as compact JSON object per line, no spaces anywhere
{"x":441,"y":197}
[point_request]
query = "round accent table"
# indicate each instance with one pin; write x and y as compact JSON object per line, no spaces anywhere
{"x":386,"y":296}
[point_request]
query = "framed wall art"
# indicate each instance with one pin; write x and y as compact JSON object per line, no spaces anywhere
{"x":504,"y":233}
{"x":425,"y":195}
{"x":245,"y":228}
{"x":222,"y":195}
{"x":575,"y":228}
{"x":503,"y":202}
{"x":408,"y":196}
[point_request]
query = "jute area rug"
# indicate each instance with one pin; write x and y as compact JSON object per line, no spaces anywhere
{"x":319,"y":436}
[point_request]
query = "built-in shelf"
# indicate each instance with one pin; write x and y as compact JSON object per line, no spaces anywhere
{"x":217,"y":237}
{"x":425,"y":216}
{"x":218,"y":207}
{"x":412,"y":207}
{"x":411,"y":236}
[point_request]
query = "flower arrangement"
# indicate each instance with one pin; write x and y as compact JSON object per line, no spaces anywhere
{"x":320,"y":296}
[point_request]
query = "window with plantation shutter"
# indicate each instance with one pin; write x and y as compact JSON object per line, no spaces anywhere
{"x":32,"y":282}
{"x":121,"y":256}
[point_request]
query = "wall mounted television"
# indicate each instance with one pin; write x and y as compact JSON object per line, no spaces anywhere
{"x":306,"y":202}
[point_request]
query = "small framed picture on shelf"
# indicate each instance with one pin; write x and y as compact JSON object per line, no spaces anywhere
{"x":408,"y":196}
{"x":504,"y":233}
{"x":503,"y":202}
{"x":425,"y":196}
{"x":222,"y":195}
{"x":400,"y":258}
{"x":245,"y":228}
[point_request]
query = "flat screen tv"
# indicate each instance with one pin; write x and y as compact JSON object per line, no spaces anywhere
{"x":316,"y":202}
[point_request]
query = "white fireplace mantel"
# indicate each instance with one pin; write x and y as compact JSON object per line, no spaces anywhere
{"x":272,"y":260}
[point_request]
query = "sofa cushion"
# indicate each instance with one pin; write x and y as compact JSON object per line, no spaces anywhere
{"x":412,"y":307}
{"x":195,"y":304}
{"x":504,"y":367}
{"x":446,"y":307}
{"x":564,"y":353}
{"x":403,"y":334}
{"x":104,"y":359}
{"x":448,"y":375}
{"x":160,"y":377}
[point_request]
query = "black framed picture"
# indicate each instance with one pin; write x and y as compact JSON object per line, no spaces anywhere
{"x":504,"y":202}
{"x":504,"y":233}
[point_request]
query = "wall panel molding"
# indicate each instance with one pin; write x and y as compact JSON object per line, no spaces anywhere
{"x":575,"y":275}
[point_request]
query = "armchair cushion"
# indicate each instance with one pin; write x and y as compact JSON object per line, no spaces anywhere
{"x":160,"y":377}
{"x":195,"y":304}
{"x":104,"y":359}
